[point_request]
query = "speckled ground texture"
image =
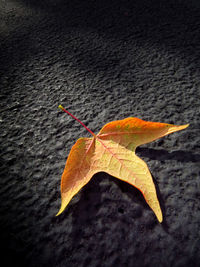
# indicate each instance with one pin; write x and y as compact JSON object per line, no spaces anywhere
{"x":103,"y":61}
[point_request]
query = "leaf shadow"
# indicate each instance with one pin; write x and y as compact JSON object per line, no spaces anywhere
{"x":83,"y":210}
{"x":162,"y":154}
{"x":136,"y":197}
{"x":86,"y":205}
{"x":91,"y":208}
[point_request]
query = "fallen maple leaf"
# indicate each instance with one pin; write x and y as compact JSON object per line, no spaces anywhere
{"x":112,"y":150}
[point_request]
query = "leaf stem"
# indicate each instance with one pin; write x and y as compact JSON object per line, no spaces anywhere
{"x":66,"y":111}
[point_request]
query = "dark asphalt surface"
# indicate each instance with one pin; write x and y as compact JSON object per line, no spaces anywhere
{"x":103,"y":61}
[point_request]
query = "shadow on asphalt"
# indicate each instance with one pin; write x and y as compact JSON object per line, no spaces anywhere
{"x":170,"y":24}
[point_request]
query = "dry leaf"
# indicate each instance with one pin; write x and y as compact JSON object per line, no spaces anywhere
{"x":112,"y":151}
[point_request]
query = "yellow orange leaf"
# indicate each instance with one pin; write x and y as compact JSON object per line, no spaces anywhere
{"x":112,"y":151}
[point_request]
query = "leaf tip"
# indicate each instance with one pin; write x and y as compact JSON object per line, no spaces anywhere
{"x":160,"y":219}
{"x":58,"y":214}
{"x":175,"y":128}
{"x":63,"y":206}
{"x":181,"y":127}
{"x":60,"y":211}
{"x":158,"y":213}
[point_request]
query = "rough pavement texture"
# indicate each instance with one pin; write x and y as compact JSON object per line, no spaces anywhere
{"x":102,"y":60}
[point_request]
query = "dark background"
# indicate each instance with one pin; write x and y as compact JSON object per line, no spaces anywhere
{"x":103,"y":61}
